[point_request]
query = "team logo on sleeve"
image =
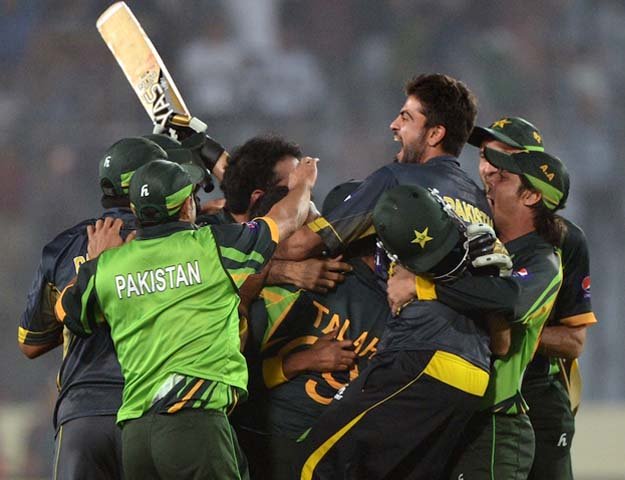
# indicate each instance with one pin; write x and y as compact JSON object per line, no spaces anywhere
{"x":252,"y":225}
{"x":521,"y":273}
{"x":586,"y":286}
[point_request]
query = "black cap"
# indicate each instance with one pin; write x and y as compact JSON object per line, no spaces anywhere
{"x":337,"y":195}
{"x":546,"y":173}
{"x":415,"y":227}
{"x":158,"y":189}
{"x":122,"y":159}
{"x":513,"y":131}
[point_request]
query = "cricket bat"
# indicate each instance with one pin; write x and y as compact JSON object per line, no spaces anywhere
{"x":143,"y":66}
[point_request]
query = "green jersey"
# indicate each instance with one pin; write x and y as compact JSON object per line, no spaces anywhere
{"x":170,"y":298}
{"x":538,"y":270}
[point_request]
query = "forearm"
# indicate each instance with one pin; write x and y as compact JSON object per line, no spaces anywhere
{"x":34,"y":351}
{"x":220,"y":167}
{"x":562,"y":341}
{"x":290,"y":212}
{"x":303,"y":244}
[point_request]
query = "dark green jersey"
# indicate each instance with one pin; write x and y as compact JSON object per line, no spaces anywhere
{"x":170,"y":299}
{"x":538,"y":270}
{"x":573,"y":306}
{"x":286,"y":320}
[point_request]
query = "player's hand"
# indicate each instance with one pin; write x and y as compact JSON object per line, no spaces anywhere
{"x":104,"y":235}
{"x":400,"y":289}
{"x":330,"y":355}
{"x":317,"y":275}
{"x":487,"y":255}
{"x":481,"y":240}
{"x":304,"y":174}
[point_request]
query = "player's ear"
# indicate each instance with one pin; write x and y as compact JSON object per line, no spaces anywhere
{"x":531,"y":197}
{"x":187,"y":211}
{"x":435,"y":135}
{"x":255,"y":196}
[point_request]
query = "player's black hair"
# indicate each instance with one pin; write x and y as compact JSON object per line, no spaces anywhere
{"x":251,"y":167}
{"x":268,"y":200}
{"x":548,"y":225}
{"x":447,"y":102}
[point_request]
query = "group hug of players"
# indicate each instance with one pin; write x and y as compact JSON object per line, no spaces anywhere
{"x":394,"y":335}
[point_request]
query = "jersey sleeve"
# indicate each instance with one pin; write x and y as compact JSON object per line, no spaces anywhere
{"x":473,"y":294}
{"x":38,"y":324}
{"x":245,"y":248}
{"x":573,"y":305}
{"x":540,"y":279}
{"x":78,"y":306}
{"x":352,"y":219}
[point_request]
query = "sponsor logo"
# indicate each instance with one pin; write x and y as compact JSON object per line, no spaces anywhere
{"x":521,"y":273}
{"x":107,"y":161}
{"x":586,"y":286}
{"x":562,"y":441}
{"x":144,"y":190}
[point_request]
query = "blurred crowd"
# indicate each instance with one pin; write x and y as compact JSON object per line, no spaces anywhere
{"x":327,"y":74}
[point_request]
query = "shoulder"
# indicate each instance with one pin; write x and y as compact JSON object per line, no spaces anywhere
{"x":573,"y":237}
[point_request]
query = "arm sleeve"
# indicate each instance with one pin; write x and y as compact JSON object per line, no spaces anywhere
{"x":38,"y":324}
{"x":78,"y":306}
{"x":245,"y":248}
{"x":540,"y":279}
{"x":473,"y":295}
{"x":352,"y":219}
{"x":573,"y":305}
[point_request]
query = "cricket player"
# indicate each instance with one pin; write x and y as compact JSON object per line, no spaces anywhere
{"x":87,"y":440}
{"x":304,"y":346}
{"x":546,"y":385}
{"x":170,"y":299}
{"x":524,"y":189}
{"x":432,"y":127}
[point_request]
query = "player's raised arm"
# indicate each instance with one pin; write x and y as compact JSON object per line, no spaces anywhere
{"x":291,"y":212}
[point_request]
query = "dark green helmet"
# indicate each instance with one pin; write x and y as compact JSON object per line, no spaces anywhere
{"x":122,"y":159}
{"x":417,"y":229}
{"x":180,"y":154}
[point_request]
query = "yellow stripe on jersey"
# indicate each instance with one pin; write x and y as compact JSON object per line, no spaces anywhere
{"x":458,"y":373}
{"x":273,"y":228}
{"x":321,"y":223}
{"x":313,"y":460}
{"x":578,"y":320}
{"x":425,"y":288}
{"x":177,"y":406}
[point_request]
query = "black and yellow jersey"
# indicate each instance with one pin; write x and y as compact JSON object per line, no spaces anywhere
{"x":286,"y":320}
{"x":89,"y":380}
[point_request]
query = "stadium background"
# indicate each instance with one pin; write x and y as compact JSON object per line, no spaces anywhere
{"x":329,"y":75}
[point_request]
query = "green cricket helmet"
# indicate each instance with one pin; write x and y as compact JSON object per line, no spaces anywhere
{"x":513,"y":131}
{"x":420,"y":231}
{"x":120,"y":161}
{"x":159,"y":189}
{"x":182,"y":155}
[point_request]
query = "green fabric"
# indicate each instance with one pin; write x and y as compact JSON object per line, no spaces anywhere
{"x":190,"y":327}
{"x":191,"y":444}
{"x":539,"y":290}
{"x":554,"y":428}
{"x":495,"y":447}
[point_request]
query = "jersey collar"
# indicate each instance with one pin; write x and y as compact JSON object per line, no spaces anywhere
{"x":163,"y":230}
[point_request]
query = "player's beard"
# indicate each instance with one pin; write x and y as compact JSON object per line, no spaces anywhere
{"x":413,"y":153}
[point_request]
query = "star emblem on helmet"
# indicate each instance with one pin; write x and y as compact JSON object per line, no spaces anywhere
{"x":537,"y":137}
{"x":501,"y":123}
{"x":421,"y":238}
